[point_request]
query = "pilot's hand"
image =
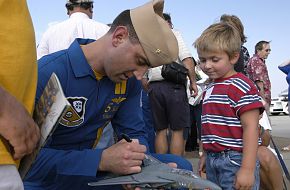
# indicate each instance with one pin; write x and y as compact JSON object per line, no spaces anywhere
{"x":130,"y":187}
{"x":123,"y":157}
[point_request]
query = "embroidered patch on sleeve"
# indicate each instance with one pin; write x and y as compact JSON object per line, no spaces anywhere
{"x":76,"y":113}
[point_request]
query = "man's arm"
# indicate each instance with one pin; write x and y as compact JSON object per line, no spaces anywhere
{"x":260,"y":86}
{"x":120,"y":158}
{"x":187,"y":60}
{"x":189,"y":63}
{"x":88,"y":162}
{"x":17,"y":126}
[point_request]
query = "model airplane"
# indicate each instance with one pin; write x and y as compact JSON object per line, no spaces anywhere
{"x":156,"y":175}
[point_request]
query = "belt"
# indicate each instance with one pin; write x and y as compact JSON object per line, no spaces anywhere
{"x":224,"y":152}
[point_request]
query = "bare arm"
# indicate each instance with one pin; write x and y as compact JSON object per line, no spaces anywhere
{"x":201,"y":162}
{"x":245,"y":177}
{"x":190,"y":65}
{"x":260,"y":85}
{"x":17,"y":126}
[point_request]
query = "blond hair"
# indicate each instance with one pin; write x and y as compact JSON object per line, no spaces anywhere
{"x":219,"y":37}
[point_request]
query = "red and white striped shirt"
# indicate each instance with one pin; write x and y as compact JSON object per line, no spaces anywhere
{"x":224,"y":101}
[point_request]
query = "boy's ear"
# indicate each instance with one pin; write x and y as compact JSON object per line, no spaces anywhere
{"x":119,"y":35}
{"x":235,"y":58}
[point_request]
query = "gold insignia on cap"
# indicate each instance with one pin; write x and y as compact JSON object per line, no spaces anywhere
{"x":158,"y":41}
{"x":157,"y":51}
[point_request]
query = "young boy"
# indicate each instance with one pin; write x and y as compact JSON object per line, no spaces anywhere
{"x":230,"y":112}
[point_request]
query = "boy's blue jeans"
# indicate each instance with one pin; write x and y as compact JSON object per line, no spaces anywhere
{"x":221,"y":168}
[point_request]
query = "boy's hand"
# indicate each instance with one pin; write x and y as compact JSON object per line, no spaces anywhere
{"x":201,"y":164}
{"x":245,"y":179}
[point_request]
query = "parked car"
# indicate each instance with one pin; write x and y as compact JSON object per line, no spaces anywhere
{"x":279,"y":105}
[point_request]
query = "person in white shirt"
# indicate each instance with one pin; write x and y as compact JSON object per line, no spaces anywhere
{"x":79,"y":25}
{"x":195,"y":104}
{"x":169,"y":103}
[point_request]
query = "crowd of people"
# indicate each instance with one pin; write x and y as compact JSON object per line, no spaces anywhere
{"x":112,"y":75}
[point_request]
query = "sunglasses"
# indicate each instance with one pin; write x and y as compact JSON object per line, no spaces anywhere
{"x":268,"y":50}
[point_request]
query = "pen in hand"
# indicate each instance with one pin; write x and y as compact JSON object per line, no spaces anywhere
{"x":126,"y":137}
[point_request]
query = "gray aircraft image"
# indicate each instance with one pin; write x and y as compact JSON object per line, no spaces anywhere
{"x":156,"y":175}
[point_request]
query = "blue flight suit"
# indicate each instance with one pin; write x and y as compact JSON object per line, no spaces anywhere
{"x":148,"y":119}
{"x":69,"y":160}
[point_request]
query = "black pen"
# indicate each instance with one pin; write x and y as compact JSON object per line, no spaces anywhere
{"x":126,"y":137}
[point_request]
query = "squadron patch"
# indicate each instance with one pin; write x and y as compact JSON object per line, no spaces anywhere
{"x":74,"y":116}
